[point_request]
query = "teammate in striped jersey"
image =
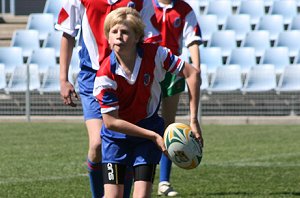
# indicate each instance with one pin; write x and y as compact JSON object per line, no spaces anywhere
{"x":87,"y":17}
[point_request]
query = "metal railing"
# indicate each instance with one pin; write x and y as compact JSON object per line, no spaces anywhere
{"x":11,"y":7}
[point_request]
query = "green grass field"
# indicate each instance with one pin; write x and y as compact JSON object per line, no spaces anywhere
{"x":48,"y":160}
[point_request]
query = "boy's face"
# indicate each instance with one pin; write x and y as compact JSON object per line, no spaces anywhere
{"x":122,"y":38}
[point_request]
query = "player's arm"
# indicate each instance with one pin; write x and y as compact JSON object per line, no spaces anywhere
{"x":195,"y":54}
{"x":69,"y":21}
{"x":114,"y":123}
{"x":66,"y":88}
{"x":192,"y":77}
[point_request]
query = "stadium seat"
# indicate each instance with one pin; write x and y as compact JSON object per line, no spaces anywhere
{"x":273,"y":24}
{"x":239,"y":23}
{"x":29,"y":44}
{"x":44,"y":58}
{"x":50,"y":82}
{"x":261,"y":78}
{"x":53,"y":7}
{"x":224,"y":39}
{"x":18,"y":80}
{"x":285,"y":8}
{"x":222,"y":9}
{"x":259,"y":39}
{"x":290,"y":39}
{"x":226,"y":79}
{"x":290,"y":79}
{"x":254,"y":8}
{"x":235,"y":5}
{"x":295,"y":24}
{"x":11,"y":57}
{"x":244,"y":57}
{"x":268,"y":5}
{"x":42,"y":22}
{"x":209,"y":25}
{"x":204,"y":77}
{"x":277,"y":56}
{"x":212,"y":58}
{"x":53,"y":41}
{"x":297,"y":59}
{"x":2,"y":77}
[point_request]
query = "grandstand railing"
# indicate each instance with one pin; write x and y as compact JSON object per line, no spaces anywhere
{"x":11,"y":6}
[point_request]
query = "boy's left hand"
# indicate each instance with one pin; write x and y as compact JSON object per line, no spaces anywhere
{"x":197,"y":131}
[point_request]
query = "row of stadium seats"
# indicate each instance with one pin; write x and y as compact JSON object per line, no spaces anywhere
{"x":280,"y":57}
{"x":12,"y":57}
{"x":245,"y":57}
{"x":18,"y":80}
{"x":256,"y":8}
{"x":32,"y":41}
{"x":229,"y":78}
{"x":241,"y":25}
{"x":260,"y":78}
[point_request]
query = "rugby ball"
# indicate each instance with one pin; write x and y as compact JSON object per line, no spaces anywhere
{"x":183,"y":149}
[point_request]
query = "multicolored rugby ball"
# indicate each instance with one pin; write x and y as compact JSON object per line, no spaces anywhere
{"x":183,"y":149}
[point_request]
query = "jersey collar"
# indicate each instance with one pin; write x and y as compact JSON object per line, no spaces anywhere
{"x":158,"y":4}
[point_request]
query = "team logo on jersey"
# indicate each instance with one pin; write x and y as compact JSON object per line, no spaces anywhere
{"x":177,"y":22}
{"x":131,"y":4}
{"x":146,"y":79}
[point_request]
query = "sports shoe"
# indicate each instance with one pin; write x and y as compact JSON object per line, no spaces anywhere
{"x":165,"y":188}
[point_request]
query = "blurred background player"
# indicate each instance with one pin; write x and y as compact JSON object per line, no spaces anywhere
{"x":89,"y":16}
{"x":128,"y":90}
{"x":173,"y":25}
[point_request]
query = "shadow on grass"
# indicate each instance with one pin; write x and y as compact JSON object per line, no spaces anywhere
{"x":286,"y":193}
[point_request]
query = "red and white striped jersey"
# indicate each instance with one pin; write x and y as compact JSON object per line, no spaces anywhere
{"x":170,"y":25}
{"x":89,"y":15}
{"x":137,"y":97}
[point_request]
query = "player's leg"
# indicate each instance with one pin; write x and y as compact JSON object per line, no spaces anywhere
{"x":128,"y":180}
{"x":143,"y":180}
{"x":113,"y":177}
{"x":93,"y":120}
{"x":94,"y":157}
{"x":169,"y":109}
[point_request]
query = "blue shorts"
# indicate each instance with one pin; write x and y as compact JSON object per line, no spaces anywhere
{"x":131,"y":150}
{"x":90,"y":106}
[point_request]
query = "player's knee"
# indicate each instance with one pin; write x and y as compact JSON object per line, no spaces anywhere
{"x":95,"y":149}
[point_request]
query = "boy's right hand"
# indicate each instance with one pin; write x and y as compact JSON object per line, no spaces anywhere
{"x":67,"y":91}
{"x":160,"y":143}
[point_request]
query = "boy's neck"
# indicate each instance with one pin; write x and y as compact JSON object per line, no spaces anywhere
{"x":127,"y":61}
{"x":165,"y":1}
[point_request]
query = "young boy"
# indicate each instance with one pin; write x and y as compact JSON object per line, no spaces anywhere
{"x":89,"y":16}
{"x":175,"y":23}
{"x":128,"y":90}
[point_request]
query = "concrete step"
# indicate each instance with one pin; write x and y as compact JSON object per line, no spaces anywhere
{"x":5,"y":43}
{"x":13,"y":19}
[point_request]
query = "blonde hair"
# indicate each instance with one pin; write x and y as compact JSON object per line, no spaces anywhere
{"x":124,"y":15}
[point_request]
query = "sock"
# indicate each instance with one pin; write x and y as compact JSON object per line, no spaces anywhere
{"x":165,"y":168}
{"x":96,"y":180}
{"x":128,"y":181}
